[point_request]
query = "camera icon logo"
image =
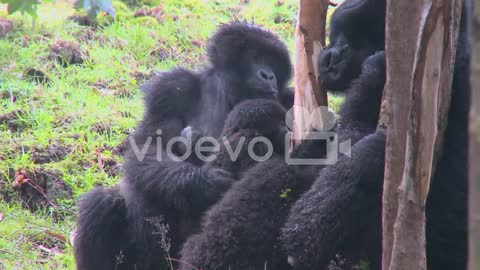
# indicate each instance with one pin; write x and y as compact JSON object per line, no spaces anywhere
{"x":324,"y":135}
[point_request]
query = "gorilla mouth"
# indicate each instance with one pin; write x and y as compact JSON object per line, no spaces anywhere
{"x":267,"y":93}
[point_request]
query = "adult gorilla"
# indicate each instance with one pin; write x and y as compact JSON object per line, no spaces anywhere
{"x":127,"y":229}
{"x":344,"y":203}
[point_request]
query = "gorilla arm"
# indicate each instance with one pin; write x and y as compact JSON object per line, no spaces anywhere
{"x":169,"y":99}
{"x":339,"y":205}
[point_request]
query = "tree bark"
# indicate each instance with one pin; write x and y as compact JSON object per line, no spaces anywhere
{"x":400,"y":51}
{"x":474,"y":145}
{"x":418,"y":95}
{"x":309,"y":42}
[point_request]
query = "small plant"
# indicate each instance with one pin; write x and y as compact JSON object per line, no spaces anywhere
{"x":93,"y":7}
{"x":284,"y":193}
{"x":24,"y":6}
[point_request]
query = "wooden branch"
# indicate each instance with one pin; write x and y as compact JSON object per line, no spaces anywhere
{"x":474,"y":146}
{"x":309,"y":42}
{"x":428,"y":102}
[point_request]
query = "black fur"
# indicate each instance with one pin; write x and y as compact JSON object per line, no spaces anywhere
{"x":343,"y":206}
{"x":356,"y":31}
{"x":103,"y":230}
{"x":242,"y":230}
{"x":247,"y":62}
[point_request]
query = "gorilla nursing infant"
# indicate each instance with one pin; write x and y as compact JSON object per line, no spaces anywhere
{"x":274,"y":210}
{"x":117,"y":226}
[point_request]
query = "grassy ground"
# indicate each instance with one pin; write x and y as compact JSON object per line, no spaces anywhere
{"x":64,"y":130}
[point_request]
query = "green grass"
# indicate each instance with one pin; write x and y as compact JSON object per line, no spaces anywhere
{"x":86,"y":111}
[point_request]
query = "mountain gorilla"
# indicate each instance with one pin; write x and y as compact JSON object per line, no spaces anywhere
{"x":126,"y":227}
{"x":343,"y":207}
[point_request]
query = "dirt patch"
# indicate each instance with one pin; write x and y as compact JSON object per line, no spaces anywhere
{"x":124,"y":92}
{"x":52,"y":153}
{"x":118,"y":150}
{"x":85,"y":35}
{"x":102,"y":128}
{"x":36,"y":75}
{"x":280,"y":19}
{"x":38,"y":189}
{"x":82,"y":20}
{"x":141,"y":77}
{"x":155,"y":12}
{"x":161,"y":53}
{"x":67,"y":53}
{"x":10,"y":95}
{"x":111,"y":166}
{"x":14,"y":120}
{"x":114,"y":88}
{"x":5,"y":27}
{"x":62,"y":120}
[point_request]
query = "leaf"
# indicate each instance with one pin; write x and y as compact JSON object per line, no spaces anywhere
{"x":31,"y":10}
{"x":14,"y":6}
{"x":24,"y":6}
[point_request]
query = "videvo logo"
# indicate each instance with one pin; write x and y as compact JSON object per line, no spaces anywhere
{"x":320,"y":131}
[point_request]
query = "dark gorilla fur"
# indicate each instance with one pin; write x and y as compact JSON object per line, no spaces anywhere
{"x":342,"y":210}
{"x":242,"y":230}
{"x":356,"y":32}
{"x":126,"y":229}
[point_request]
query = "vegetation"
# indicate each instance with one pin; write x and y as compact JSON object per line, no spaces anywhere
{"x":69,"y":96}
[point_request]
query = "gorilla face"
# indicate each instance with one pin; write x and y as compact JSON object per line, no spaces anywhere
{"x":254,"y":63}
{"x":357,"y":30}
{"x":261,"y":80}
{"x":340,"y":63}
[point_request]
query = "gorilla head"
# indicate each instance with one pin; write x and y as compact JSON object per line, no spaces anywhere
{"x":354,"y":35}
{"x":250,"y":57}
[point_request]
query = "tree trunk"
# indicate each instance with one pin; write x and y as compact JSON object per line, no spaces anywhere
{"x":420,"y":60}
{"x":474,"y":145}
{"x":309,"y":42}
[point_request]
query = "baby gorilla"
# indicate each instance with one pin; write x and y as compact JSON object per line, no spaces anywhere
{"x":254,"y":131}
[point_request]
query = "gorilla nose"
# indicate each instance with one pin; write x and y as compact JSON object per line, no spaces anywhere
{"x":334,"y":56}
{"x":268,"y":77}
